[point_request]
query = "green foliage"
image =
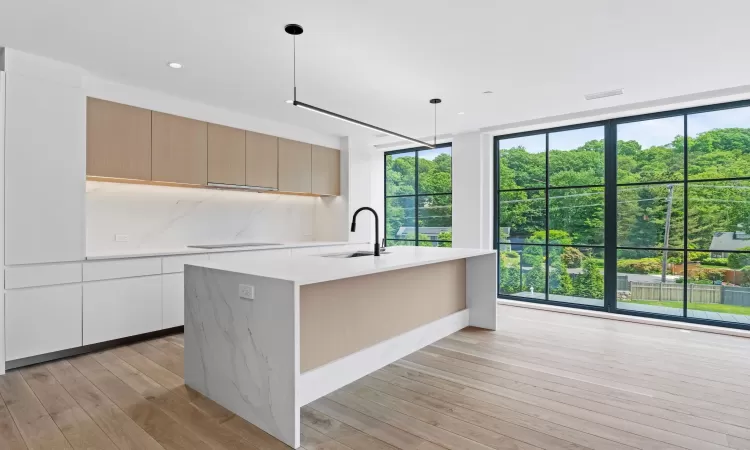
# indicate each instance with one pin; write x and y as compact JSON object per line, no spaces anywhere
{"x":510,"y":273}
{"x":698,"y":256}
{"x":745,"y":276}
{"x":739,"y":260}
{"x":535,"y":278}
{"x":559,"y":279}
{"x":572,"y":257}
{"x":715,"y":262}
{"x":714,"y":207}
{"x":643,"y":265}
{"x":590,"y":283}
{"x":703,"y":274}
{"x":401,"y":179}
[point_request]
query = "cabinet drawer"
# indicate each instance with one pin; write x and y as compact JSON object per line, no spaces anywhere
{"x":43,"y":275}
{"x":173,"y":300}
{"x":119,"y":308}
{"x":42,"y":320}
{"x":175,"y":264}
{"x":121,"y":268}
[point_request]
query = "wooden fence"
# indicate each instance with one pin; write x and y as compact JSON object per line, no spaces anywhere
{"x":667,"y":292}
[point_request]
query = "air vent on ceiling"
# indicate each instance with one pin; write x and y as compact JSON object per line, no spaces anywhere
{"x":596,"y":95}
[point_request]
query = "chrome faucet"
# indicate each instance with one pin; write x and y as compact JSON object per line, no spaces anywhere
{"x":377,"y":227}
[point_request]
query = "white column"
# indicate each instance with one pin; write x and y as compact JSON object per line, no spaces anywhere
{"x":364,"y":186}
{"x":472,"y":190}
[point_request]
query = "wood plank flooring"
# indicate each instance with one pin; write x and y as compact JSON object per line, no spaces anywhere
{"x":546,"y":380}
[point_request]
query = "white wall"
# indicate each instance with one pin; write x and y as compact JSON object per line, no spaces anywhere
{"x":2,"y":207}
{"x":472,"y":191}
{"x":365,"y":186}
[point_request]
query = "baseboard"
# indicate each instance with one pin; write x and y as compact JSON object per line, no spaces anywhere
{"x":99,"y":346}
{"x":628,"y":318}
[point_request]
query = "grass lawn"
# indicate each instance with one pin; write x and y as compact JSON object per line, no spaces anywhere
{"x":713,"y":307}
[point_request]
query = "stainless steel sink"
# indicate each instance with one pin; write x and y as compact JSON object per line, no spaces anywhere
{"x":351,"y":255}
{"x":240,"y":244}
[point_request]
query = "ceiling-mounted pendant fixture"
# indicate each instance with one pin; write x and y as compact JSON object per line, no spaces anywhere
{"x":295,"y":30}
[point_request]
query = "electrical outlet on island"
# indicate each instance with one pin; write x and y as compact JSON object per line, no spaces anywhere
{"x":122,"y":238}
{"x":247,"y":292}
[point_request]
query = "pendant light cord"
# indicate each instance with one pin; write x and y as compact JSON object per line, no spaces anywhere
{"x":434,"y":135}
{"x":294,"y":57}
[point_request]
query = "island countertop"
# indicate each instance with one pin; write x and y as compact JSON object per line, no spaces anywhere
{"x":310,"y":269}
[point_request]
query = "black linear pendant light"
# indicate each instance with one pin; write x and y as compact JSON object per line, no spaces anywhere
{"x":295,"y":30}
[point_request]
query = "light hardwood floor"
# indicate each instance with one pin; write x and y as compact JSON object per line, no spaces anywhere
{"x":545,"y":380}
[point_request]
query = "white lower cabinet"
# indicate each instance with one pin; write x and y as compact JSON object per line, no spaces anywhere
{"x":115,"y":309}
{"x":42,"y":320}
{"x":173,"y":300}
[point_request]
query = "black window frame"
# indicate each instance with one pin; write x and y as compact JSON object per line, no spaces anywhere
{"x":416,"y":193}
{"x":610,"y":213}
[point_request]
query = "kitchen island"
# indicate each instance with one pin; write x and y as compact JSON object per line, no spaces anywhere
{"x":265,"y":337}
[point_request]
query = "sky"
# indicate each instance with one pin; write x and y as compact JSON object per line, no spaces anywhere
{"x":647,"y":133}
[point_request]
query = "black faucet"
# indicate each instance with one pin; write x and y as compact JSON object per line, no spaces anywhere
{"x":377,"y":227}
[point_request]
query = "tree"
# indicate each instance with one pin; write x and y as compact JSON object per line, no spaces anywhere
{"x":535,"y":278}
{"x":590,"y":283}
{"x":510,"y":273}
{"x":739,"y":260}
{"x":559,"y":279}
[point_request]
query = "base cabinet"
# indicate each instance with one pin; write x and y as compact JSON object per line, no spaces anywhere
{"x":42,"y":320}
{"x":173,"y":300}
{"x":115,"y":309}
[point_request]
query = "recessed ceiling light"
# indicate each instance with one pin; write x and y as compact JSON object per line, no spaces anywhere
{"x":174,"y":65}
{"x":461,"y":113}
{"x":290,"y":101}
{"x":487,"y":92}
{"x":604,"y":94}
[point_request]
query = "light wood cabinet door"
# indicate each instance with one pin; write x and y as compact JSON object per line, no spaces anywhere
{"x":295,"y":166}
{"x":261,"y":160}
{"x":325,"y":170}
{"x":118,"y":140}
{"x":226,"y":155}
{"x":179,"y":151}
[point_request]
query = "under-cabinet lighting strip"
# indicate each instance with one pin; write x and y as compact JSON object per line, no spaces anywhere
{"x":241,"y":186}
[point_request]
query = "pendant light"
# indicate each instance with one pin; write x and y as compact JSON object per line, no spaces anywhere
{"x":295,"y":30}
{"x":435,"y":102}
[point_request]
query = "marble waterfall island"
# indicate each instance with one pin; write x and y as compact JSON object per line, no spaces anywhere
{"x":266,"y":336}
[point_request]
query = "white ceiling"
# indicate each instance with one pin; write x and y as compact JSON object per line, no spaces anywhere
{"x":381,"y":61}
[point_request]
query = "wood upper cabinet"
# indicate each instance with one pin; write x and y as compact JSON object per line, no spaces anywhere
{"x":295,"y":166}
{"x":118,"y":140}
{"x":179,"y":151}
{"x":226,"y":155}
{"x":325,"y":170}
{"x":261,"y":160}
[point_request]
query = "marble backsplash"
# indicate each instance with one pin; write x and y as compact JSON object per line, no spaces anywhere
{"x":168,"y":217}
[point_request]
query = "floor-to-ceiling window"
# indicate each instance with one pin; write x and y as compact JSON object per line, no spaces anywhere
{"x":418,"y":200}
{"x":644,"y":215}
{"x":550,"y":215}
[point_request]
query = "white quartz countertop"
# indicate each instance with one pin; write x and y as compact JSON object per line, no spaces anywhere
{"x":309,"y":269}
{"x":146,"y":252}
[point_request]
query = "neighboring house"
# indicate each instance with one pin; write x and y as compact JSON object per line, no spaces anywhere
{"x":725,"y":241}
{"x":431,"y":232}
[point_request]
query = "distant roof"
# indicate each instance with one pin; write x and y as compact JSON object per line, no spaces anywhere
{"x":729,"y":240}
